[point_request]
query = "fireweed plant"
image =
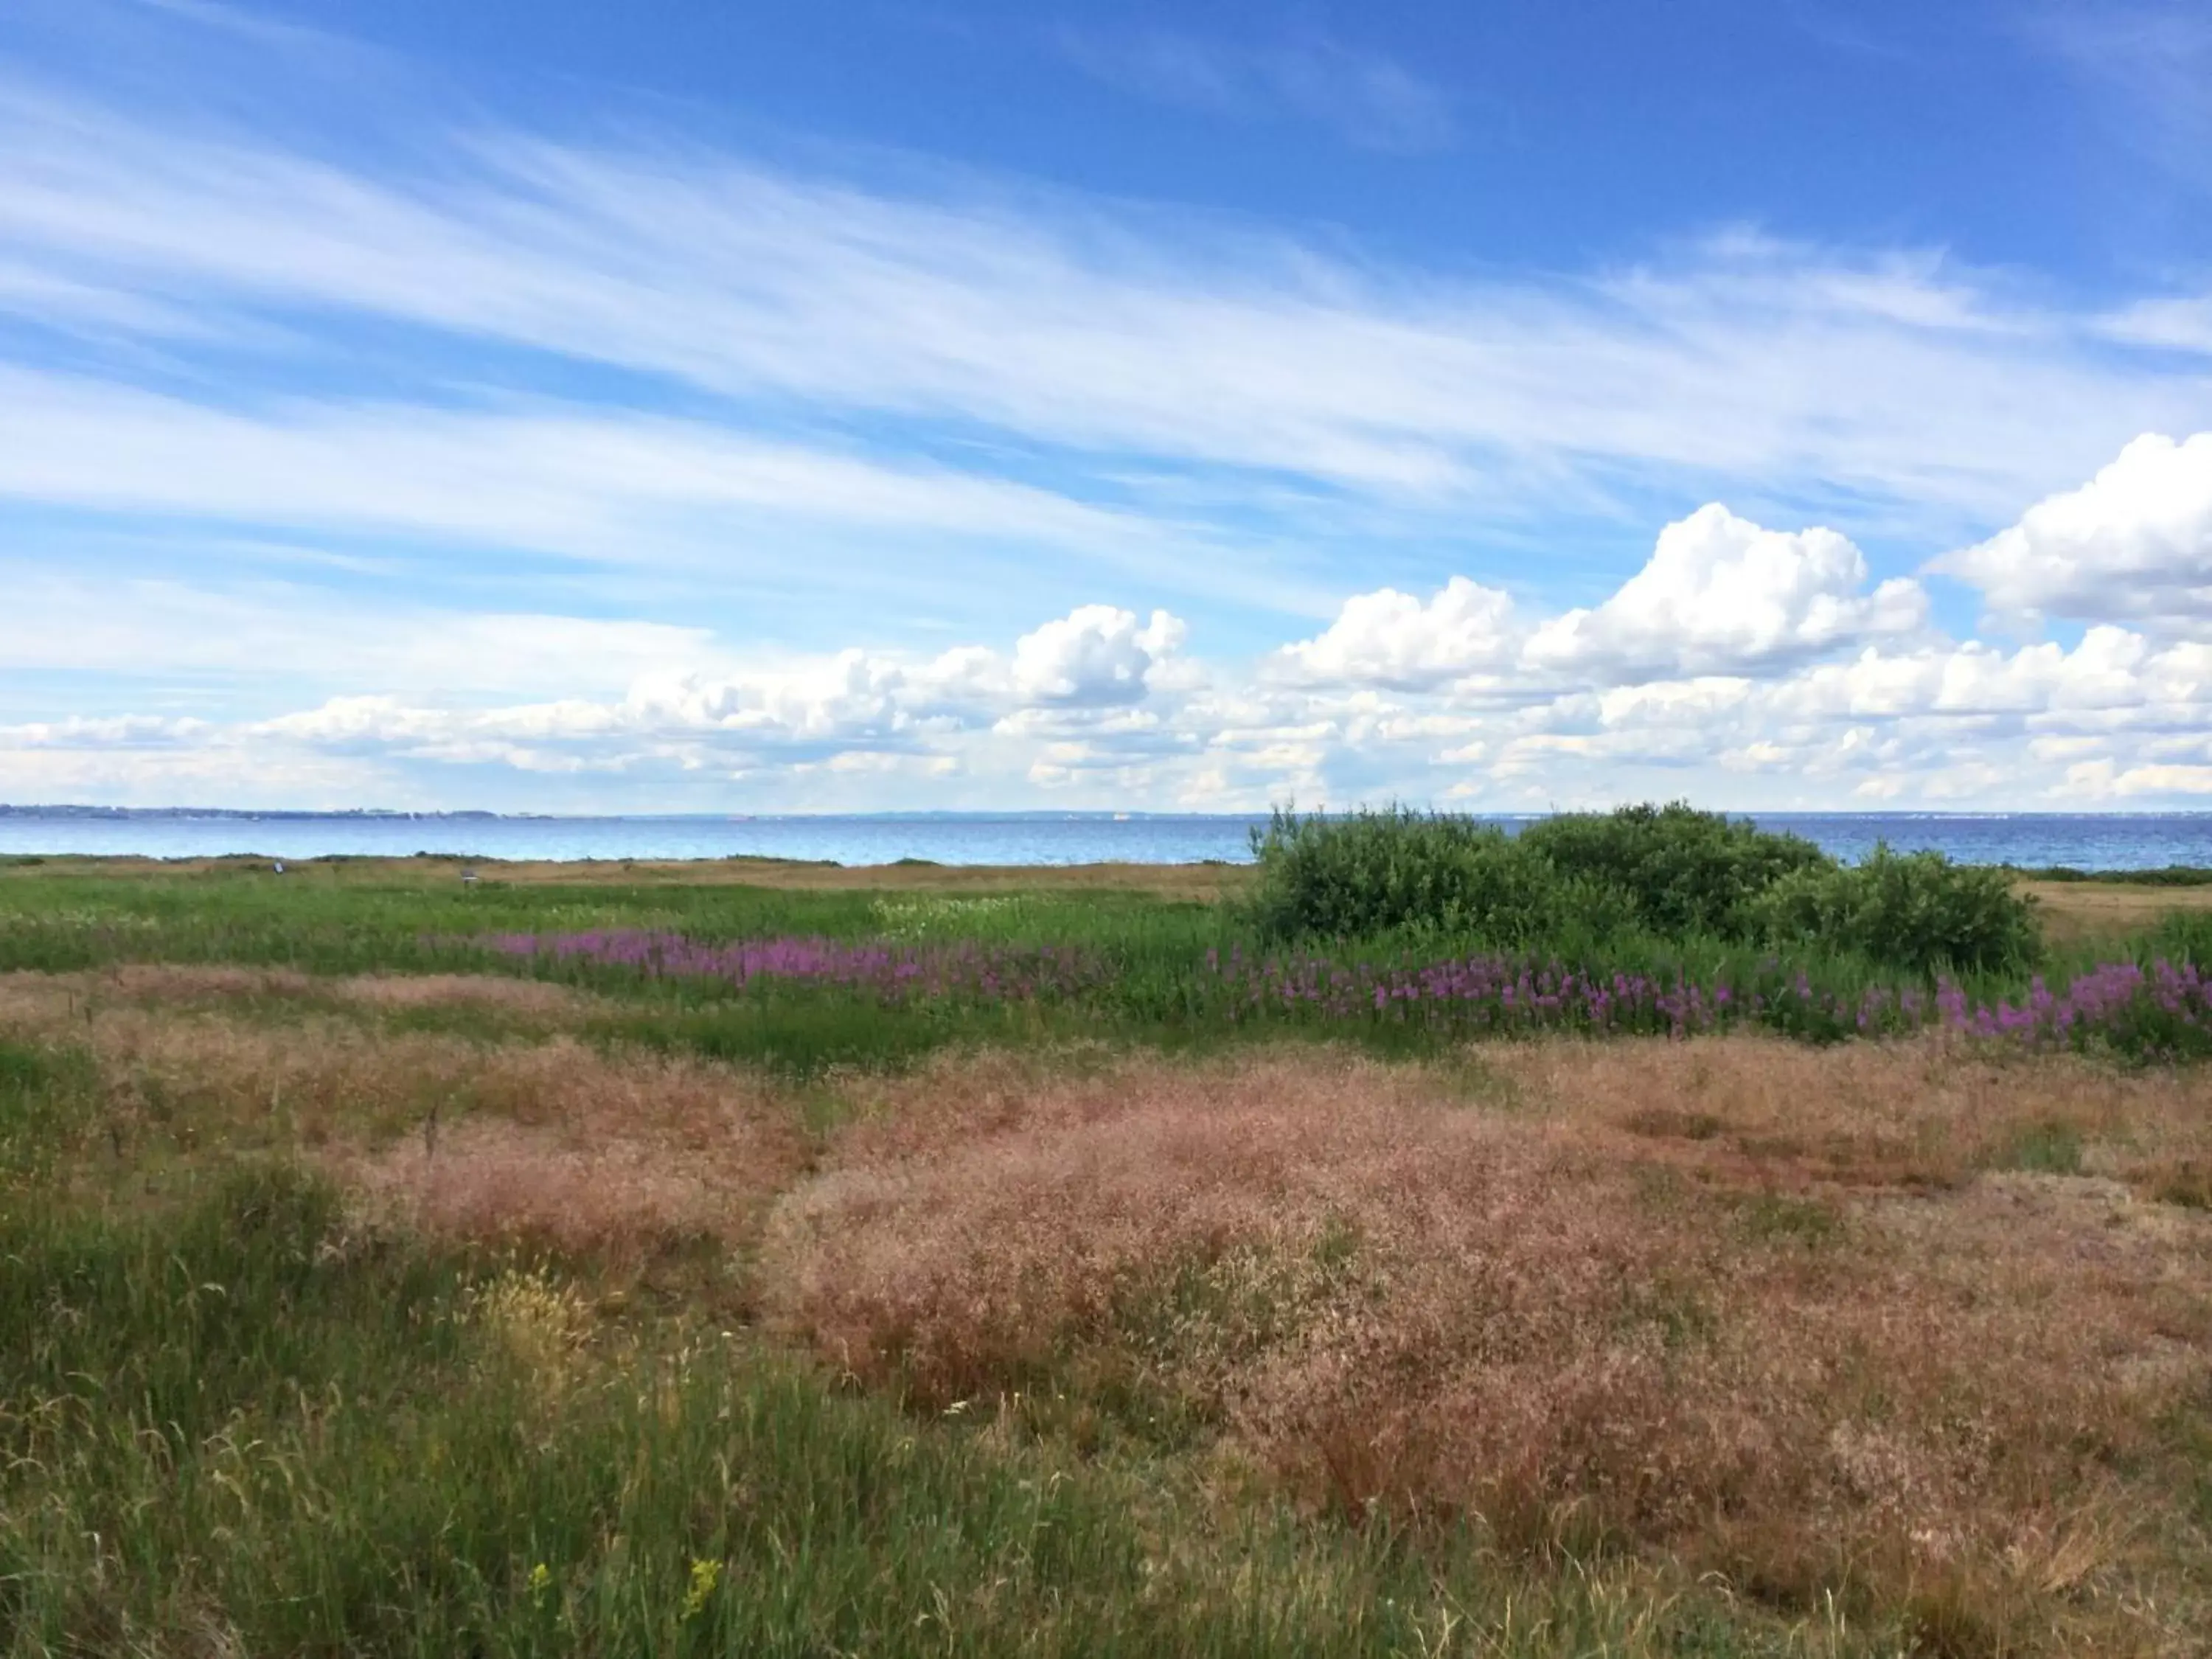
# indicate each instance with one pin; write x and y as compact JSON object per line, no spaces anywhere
{"x":2164,"y":1008}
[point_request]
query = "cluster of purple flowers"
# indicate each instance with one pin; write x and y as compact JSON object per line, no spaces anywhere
{"x":2165,"y":1006}
{"x":2166,"y":997}
{"x":894,"y":972}
{"x":1484,"y":993}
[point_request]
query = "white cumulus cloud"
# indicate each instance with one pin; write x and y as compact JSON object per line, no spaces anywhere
{"x":1751,"y":667}
{"x":1091,"y":665}
{"x":1721,"y":593}
{"x":1391,"y":638}
{"x":1095,"y":655}
{"x":2134,"y":542}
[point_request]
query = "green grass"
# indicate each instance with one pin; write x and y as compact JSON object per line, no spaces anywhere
{"x":238,"y":1425}
{"x":1784,"y":1219}
{"x":246,"y":914}
{"x":2048,"y":1149}
{"x":2171,"y":875}
{"x":234,"y":1418}
{"x":1153,"y":986}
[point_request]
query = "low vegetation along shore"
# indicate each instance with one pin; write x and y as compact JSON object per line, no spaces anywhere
{"x":1641,"y":1237}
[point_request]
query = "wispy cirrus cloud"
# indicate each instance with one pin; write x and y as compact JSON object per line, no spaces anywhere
{"x":604,"y":482}
{"x":251,"y":25}
{"x":2167,"y":322}
{"x":2150,"y":61}
{"x":1098,"y":336}
{"x":1365,"y":97}
{"x":254,"y":641}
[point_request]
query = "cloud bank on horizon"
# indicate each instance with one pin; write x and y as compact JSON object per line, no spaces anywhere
{"x":365,"y":439}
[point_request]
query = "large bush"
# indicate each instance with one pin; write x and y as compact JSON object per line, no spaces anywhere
{"x":1668,"y":872}
{"x":1663,"y":872}
{"x":1398,"y":871}
{"x":1681,"y":872}
{"x":1912,"y":910}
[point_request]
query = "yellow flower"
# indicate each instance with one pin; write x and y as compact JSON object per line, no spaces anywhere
{"x":705,"y":1575}
{"x":541,"y":1580}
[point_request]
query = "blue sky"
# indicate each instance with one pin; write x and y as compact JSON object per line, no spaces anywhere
{"x":782,"y":406}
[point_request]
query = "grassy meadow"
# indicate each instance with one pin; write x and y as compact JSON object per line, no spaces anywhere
{"x":1396,"y":1249}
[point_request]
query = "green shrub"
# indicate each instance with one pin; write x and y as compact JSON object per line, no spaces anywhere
{"x":1913,"y":910}
{"x":1680,"y":870}
{"x":1668,"y":872}
{"x":1398,"y":871}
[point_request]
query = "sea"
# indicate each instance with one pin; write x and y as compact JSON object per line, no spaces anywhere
{"x":2128,"y":840}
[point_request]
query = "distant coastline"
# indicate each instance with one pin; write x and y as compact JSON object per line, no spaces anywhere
{"x":277,"y":814}
{"x":68,"y":810}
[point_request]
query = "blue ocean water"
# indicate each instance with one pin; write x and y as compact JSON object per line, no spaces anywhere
{"x":2085,"y":840}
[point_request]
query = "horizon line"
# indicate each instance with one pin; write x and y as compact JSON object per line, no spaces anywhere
{"x":87,"y":809}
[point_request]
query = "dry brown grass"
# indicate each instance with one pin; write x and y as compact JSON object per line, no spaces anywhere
{"x":1927,"y":1114}
{"x":550,"y":1141}
{"x":45,"y":1002}
{"x":621,"y":1154}
{"x":491,"y":1180}
{"x":2072,"y":911}
{"x":529,"y":1000}
{"x":36,"y":1001}
{"x":1807,"y":1346}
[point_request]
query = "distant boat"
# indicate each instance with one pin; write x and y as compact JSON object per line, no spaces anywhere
{"x":1120,"y":818}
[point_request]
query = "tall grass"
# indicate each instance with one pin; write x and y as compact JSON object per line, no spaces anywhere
{"x":246,"y":1427}
{"x":319,"y":924}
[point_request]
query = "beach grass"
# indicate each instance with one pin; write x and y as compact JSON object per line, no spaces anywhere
{"x":364,"y":1289}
